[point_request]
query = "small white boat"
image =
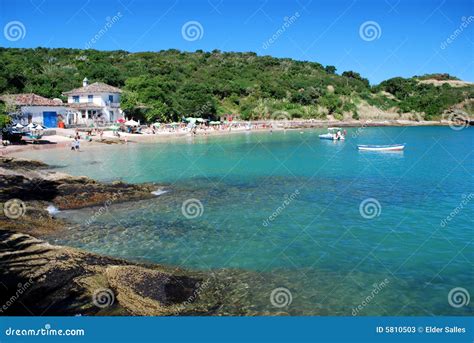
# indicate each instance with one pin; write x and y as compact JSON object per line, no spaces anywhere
{"x":391,"y":147}
{"x":332,"y":134}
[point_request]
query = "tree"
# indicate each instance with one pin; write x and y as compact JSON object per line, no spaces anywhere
{"x":356,"y":76}
{"x":5,"y":119}
{"x":330,"y":69}
{"x":157,"y":111}
{"x":332,"y":102}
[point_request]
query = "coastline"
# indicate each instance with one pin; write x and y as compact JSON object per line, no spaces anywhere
{"x":62,"y":141}
{"x":67,"y":278}
{"x":65,"y":281}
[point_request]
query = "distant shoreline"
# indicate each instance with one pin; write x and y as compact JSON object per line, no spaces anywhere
{"x":61,"y":141}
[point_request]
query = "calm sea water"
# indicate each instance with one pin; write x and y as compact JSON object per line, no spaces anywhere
{"x":338,"y":228}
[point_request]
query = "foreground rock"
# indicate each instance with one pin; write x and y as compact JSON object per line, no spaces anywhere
{"x":41,"y":279}
{"x":37,"y":278}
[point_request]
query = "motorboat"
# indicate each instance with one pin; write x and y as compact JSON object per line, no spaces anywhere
{"x":334,"y":134}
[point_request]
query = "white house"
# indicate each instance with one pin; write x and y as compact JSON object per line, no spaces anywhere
{"x":32,"y":108}
{"x":93,"y":103}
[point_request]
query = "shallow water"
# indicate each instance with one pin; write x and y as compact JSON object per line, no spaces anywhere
{"x":286,"y":207}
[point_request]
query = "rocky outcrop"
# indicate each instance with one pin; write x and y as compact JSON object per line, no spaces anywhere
{"x":41,"y":279}
{"x":38,"y":187}
{"x":37,"y":278}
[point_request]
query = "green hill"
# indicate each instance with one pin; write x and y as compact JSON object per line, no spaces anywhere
{"x":168,"y":84}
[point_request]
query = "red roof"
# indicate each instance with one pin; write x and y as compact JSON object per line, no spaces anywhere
{"x":29,"y":99}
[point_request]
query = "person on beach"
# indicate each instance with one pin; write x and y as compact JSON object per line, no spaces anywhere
{"x":73,"y":145}
{"x":77,"y":144}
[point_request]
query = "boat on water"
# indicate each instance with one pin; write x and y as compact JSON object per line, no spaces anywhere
{"x":334,"y":134}
{"x":391,"y":147}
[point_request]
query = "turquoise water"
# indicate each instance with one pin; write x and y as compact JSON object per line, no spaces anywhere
{"x":285,"y":208}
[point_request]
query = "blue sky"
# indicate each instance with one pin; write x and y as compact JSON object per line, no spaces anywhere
{"x":408,"y":37}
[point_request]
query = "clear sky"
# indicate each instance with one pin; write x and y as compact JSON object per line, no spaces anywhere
{"x":379,"y":39}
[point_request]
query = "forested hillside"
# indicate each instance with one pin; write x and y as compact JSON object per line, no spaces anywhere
{"x":168,"y":84}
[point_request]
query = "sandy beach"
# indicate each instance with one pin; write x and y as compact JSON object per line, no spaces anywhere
{"x":62,"y":138}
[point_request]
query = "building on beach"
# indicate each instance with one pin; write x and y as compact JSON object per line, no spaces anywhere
{"x":32,"y":108}
{"x":93,"y":103}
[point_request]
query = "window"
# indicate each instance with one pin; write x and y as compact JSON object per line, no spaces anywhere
{"x":111,"y":98}
{"x":90,"y":98}
{"x":75,"y":98}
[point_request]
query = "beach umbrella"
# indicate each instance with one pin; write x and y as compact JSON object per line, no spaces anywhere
{"x":39,"y":127}
{"x":18,"y":126}
{"x":200,"y":120}
{"x":157,"y":124}
{"x":121,"y":120}
{"x":31,"y":126}
{"x":132,"y":123}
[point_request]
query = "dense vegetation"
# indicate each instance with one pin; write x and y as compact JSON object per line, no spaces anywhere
{"x":167,"y":85}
